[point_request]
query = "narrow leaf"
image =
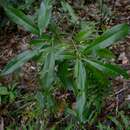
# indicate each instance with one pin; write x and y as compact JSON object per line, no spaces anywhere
{"x":47,"y":73}
{"x":80,"y":105}
{"x":63,"y":74}
{"x":18,"y":61}
{"x":21,"y":19}
{"x":68,"y":8}
{"x":105,"y":53}
{"x":80,"y":75}
{"x":109,"y":37}
{"x":108,"y":68}
{"x":86,"y":32}
{"x":44,"y":15}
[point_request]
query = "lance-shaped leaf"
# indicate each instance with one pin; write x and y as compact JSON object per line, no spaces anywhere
{"x":80,"y":105}
{"x":41,"y":40}
{"x":111,"y":36}
{"x":80,"y":74}
{"x":105,"y":53}
{"x":107,"y":68}
{"x":40,"y":99}
{"x":64,"y":75}
{"x":18,"y":61}
{"x":20,"y":18}
{"x":67,"y":7}
{"x":47,"y":73}
{"x":87,"y":32}
{"x":44,"y":15}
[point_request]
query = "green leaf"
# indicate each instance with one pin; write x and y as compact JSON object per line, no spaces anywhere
{"x":105,"y":53}
{"x":18,"y":61}
{"x":47,"y":73}
{"x":68,"y":8}
{"x":3,"y":91}
{"x":116,"y":122}
{"x":61,"y":54}
{"x":111,"y":36}
{"x":44,"y":15}
{"x":103,"y":127}
{"x":86,"y":32}
{"x":80,"y":75}
{"x":125,"y":119}
{"x":20,"y":18}
{"x":40,"y":99}
{"x":100,"y":126}
{"x":29,"y":2}
{"x":63,"y":74}
{"x":80,"y":105}
{"x":41,"y":40}
{"x":98,"y":78}
{"x":69,"y":127}
{"x":107,"y":68}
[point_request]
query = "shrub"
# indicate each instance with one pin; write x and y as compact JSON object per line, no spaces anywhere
{"x":79,"y":64}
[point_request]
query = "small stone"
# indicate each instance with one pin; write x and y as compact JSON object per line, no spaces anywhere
{"x":122,"y":57}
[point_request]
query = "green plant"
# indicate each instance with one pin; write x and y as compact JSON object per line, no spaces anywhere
{"x":3,"y":92}
{"x":69,"y":9}
{"x":121,"y":122}
{"x":27,"y":6}
{"x":21,"y":4}
{"x":31,"y":126}
{"x":105,"y":11}
{"x":7,"y":93}
{"x":81,"y":65}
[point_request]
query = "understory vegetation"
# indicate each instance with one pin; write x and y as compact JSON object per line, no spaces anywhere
{"x":74,"y":67}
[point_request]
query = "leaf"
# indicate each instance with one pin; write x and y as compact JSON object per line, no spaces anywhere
{"x":61,"y":54}
{"x":80,"y":105}
{"x":3,"y":91}
{"x":105,"y":53}
{"x":116,"y":122}
{"x":125,"y":119}
{"x":44,"y":15}
{"x":69,"y":127}
{"x":103,"y":127}
{"x":98,"y":78}
{"x":100,"y":126}
{"x":86,"y":32}
{"x":107,"y":68}
{"x":80,"y":75}
{"x":71,"y":112}
{"x":20,"y":18}
{"x":28,"y":2}
{"x":40,"y":99}
{"x":41,"y":40}
{"x":83,"y":35}
{"x":47,"y":73}
{"x":68,"y":8}
{"x":111,"y":36}
{"x":63,"y":74}
{"x":18,"y":61}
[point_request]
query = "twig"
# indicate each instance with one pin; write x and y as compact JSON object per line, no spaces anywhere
{"x":121,"y":90}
